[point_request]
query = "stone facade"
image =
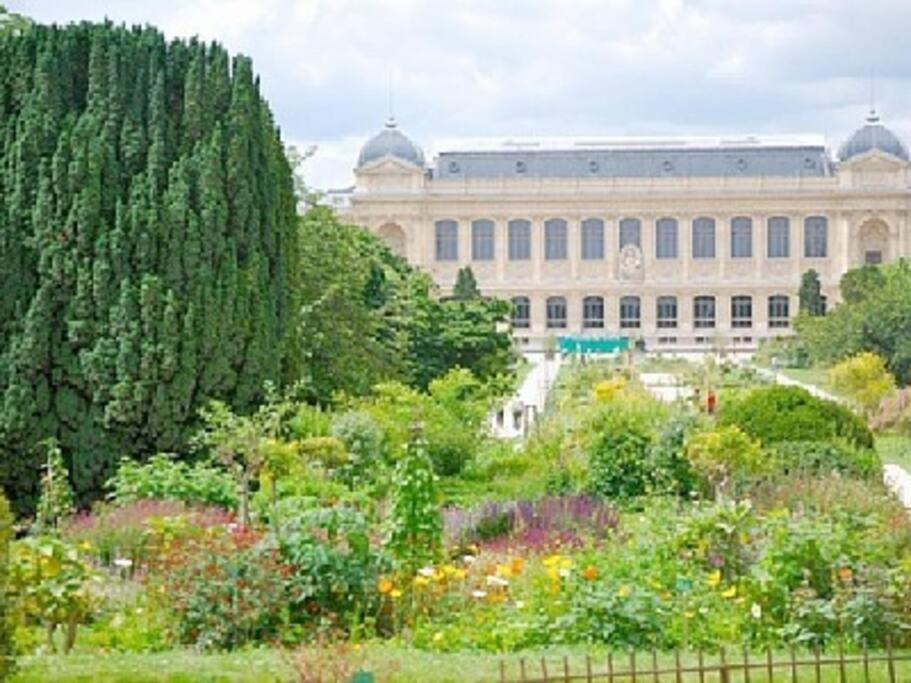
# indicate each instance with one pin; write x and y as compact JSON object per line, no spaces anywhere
{"x":725,"y":228}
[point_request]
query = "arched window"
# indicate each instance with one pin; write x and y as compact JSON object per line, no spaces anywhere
{"x":482,"y":240}
{"x":666,"y":238}
{"x":519,"y":237}
{"x":447,"y":240}
{"x":630,"y":232}
{"x":704,"y":237}
{"x":779,"y":237}
{"x":630,"y":312}
{"x":779,"y":311}
{"x":704,"y":312}
{"x":741,"y":311}
{"x":593,"y":312}
{"x":815,"y":236}
{"x":742,"y":237}
{"x":521,"y":311}
{"x":555,"y":239}
{"x":666,"y":311}
{"x":592,"y":239}
{"x":556,"y":312}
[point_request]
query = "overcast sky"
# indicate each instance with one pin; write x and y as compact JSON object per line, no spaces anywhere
{"x":558,"y":68}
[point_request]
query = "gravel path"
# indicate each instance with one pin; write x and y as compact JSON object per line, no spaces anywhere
{"x":515,"y":416}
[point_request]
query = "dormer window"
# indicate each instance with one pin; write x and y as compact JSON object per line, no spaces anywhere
{"x":521,"y":167}
{"x":454,"y":167}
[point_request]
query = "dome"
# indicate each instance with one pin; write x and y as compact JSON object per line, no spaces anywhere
{"x":391,"y":142}
{"x":874,"y":135}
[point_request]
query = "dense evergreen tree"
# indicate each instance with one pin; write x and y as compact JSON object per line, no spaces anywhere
{"x":147,"y":241}
{"x":466,"y":286}
{"x":810,"y":296}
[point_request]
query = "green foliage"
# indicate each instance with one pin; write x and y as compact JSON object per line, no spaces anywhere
{"x":7,"y":624}
{"x":864,"y":379}
{"x":363,"y":440}
{"x":861,"y":283}
{"x":415,"y":525}
{"x":166,"y":478}
{"x":827,"y":456}
{"x":618,"y":453}
{"x":786,"y":413}
{"x":466,"y":286}
{"x":12,"y":24}
{"x":56,"y":501}
{"x":724,"y":456}
{"x":49,"y":585}
{"x":149,"y":247}
{"x":810,"y":296}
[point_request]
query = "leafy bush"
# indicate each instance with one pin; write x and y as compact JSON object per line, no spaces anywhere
{"x":618,"y":454}
{"x":864,"y":379}
{"x":725,"y":456}
{"x":827,"y":456}
{"x":672,"y":470}
{"x":7,"y":627}
{"x":363,"y":440}
{"x":786,"y":413}
{"x":166,"y":478}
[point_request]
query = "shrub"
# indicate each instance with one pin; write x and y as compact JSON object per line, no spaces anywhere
{"x":725,"y":456}
{"x":864,"y":379}
{"x":324,"y":450}
{"x":672,"y":471}
{"x":7,"y":626}
{"x":56,"y":501}
{"x":827,"y":456}
{"x":618,"y":454}
{"x":362,"y":438}
{"x":786,"y":413}
{"x":166,"y":478}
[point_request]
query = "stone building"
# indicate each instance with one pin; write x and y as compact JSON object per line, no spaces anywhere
{"x":683,"y":243}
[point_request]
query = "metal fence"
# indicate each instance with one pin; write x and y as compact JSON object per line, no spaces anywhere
{"x":725,"y":667}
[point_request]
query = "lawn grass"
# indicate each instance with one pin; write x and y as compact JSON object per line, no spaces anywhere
{"x":894,"y":449}
{"x":818,"y":377}
{"x":396,"y":664}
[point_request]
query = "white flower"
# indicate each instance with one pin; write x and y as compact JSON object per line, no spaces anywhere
{"x":756,"y":610}
{"x":497,"y":581}
{"x":479,"y":594}
{"x":426,"y":571}
{"x":469,"y":559}
{"x":564,"y":572}
{"x":123,"y":563}
{"x":520,"y":604}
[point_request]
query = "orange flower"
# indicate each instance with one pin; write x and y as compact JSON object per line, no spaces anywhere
{"x":517,"y":565}
{"x":384,"y":585}
{"x":590,"y":573}
{"x":845,"y":574}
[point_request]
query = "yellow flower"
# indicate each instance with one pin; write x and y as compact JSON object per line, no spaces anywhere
{"x":85,"y":546}
{"x":714,"y":578}
{"x":459,"y":574}
{"x":553,"y":574}
{"x":566,"y":563}
{"x":504,"y":570}
{"x":551,"y":560}
{"x":449,"y":570}
{"x":624,"y":591}
{"x":395,"y":593}
{"x":437,"y":637}
{"x":730,"y":592}
{"x":384,"y":585}
{"x":421,"y":581}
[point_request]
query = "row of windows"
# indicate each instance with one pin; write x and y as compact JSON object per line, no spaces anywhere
{"x":666,"y":308}
{"x":816,"y":229}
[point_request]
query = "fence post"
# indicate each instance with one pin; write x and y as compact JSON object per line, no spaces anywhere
{"x":679,"y":676}
{"x":818,"y":666}
{"x":768,"y":664}
{"x":746,"y":664}
{"x":701,"y":667}
{"x":588,"y":668}
{"x":544,"y":668}
{"x":841,"y":663}
{"x":866,"y":665}
{"x":502,"y":671}
{"x":891,"y":660}
{"x":610,"y":667}
{"x":522,"y":668}
{"x":566,"y":668}
{"x":655,"y":665}
{"x":793,"y":666}
{"x":632,"y":664}
{"x":723,"y":671}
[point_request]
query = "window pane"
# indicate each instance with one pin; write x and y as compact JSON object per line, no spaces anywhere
{"x":592,"y":239}
{"x":741,"y":237}
{"x":519,"y":237}
{"x":447,"y":240}
{"x":629,"y":312}
{"x":593,"y":311}
{"x":666,"y":238}
{"x":779,"y":237}
{"x":482,"y":240}
{"x":779,"y":311}
{"x":556,"y":311}
{"x":815,"y":236}
{"x":521,"y":311}
{"x":630,"y":232}
{"x":704,"y":238}
{"x":704,"y":311}
{"x":741,"y":311}
{"x":555,"y":239}
{"x":666,"y":309}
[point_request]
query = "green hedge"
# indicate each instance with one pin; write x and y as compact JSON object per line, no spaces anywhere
{"x":780,"y":413}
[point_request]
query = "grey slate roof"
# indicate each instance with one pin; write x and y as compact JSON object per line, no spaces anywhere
{"x":747,"y":161}
{"x":390,"y":142}
{"x":873,"y":135}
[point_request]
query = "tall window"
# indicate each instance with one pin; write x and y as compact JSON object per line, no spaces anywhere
{"x":666,"y":238}
{"x":741,"y":237}
{"x":704,"y":312}
{"x":555,"y":239}
{"x":521,"y":311}
{"x":556,"y":312}
{"x":704,"y":238}
{"x":741,"y":311}
{"x":592,"y":239}
{"x":779,"y":237}
{"x":815,"y":236}
{"x":666,"y":310}
{"x":630,"y":232}
{"x":779,"y":311}
{"x":593,"y":312}
{"x":447,"y":240}
{"x":482,"y":240}
{"x":630,"y":312}
{"x":519,"y":238}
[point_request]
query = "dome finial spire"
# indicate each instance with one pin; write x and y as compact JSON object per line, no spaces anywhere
{"x":390,"y":121}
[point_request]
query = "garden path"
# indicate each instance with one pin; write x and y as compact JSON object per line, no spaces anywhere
{"x":665,"y":386}
{"x":895,"y":477}
{"x":516,"y":416}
